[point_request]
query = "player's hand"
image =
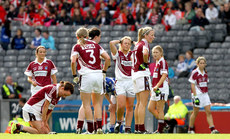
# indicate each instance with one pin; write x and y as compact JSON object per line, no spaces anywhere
{"x":111,"y":107}
{"x":76,"y":80}
{"x":157,"y":91}
{"x":34,"y":83}
{"x":143,"y":66}
{"x":196,"y":100}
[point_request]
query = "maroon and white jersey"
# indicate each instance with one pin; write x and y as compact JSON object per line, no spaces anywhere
{"x":36,"y":102}
{"x":160,"y":68}
{"x":41,"y":73}
{"x":123,"y":65}
{"x":200,"y":80}
{"x":138,"y":59}
{"x":88,"y":57}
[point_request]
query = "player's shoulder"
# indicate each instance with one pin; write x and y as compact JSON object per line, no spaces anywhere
{"x":194,"y":72}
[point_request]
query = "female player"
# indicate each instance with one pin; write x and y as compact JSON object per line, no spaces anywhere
{"x":160,"y":90}
{"x":87,"y":54}
{"x":199,"y":82}
{"x":38,"y":108}
{"x":94,"y":36}
{"x":124,"y":85}
{"x":41,"y":71}
{"x":141,"y":75}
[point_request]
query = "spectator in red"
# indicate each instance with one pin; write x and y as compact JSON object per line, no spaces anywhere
{"x":93,"y":10}
{"x":102,"y":19}
{"x":86,"y":3}
{"x":58,"y":6}
{"x":168,"y":6}
{"x":39,"y":18}
{"x":112,"y":5}
{"x":98,"y":5}
{"x":77,"y":18}
{"x":136,"y":7}
{"x":76,"y":6}
{"x":189,"y":13}
{"x":150,"y":4}
{"x":122,"y":19}
{"x":63,"y":19}
{"x":179,"y":12}
{"x":89,"y":20}
{"x":20,"y":14}
{"x":154,"y":17}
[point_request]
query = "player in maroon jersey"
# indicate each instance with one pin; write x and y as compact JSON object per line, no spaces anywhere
{"x":124,"y":84}
{"x":160,"y":88}
{"x":87,"y":55}
{"x":141,"y":75}
{"x":200,"y":97}
{"x":94,"y":36}
{"x":40,"y":71}
{"x":38,"y":108}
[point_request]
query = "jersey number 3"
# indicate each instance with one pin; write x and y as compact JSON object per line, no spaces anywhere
{"x":92,"y":56}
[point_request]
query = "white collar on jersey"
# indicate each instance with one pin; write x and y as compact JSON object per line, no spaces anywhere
{"x":91,"y":41}
{"x":145,"y":40}
{"x":199,"y":72}
{"x":36,"y":61}
{"x":161,"y":59}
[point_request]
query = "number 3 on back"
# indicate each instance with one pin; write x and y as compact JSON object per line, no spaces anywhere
{"x":92,"y":56}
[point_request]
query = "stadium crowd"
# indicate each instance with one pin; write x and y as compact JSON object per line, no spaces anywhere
{"x":105,"y":12}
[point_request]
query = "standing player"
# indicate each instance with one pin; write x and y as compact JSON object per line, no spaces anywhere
{"x":38,"y":108}
{"x":141,"y":75}
{"x":95,"y":37}
{"x":87,"y":54}
{"x":41,"y":71}
{"x":160,"y":88}
{"x":124,"y":84}
{"x":199,"y":88}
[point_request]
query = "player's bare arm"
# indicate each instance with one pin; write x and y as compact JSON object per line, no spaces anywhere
{"x":164,"y":75}
{"x":145,"y":55}
{"x":73,"y":64}
{"x":193,"y":89}
{"x":112,"y":45}
{"x":30,"y":80}
{"x":107,"y":61}
{"x":54,"y":79}
{"x":44,"y":113}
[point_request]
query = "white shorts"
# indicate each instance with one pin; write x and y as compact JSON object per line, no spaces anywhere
{"x":204,"y":100}
{"x":91,"y":82}
{"x":35,"y":89}
{"x":31,"y":116}
{"x":141,"y":84}
{"x":164,"y":93}
{"x":125,"y":88}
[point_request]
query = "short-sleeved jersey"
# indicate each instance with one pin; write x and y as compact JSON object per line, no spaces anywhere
{"x":88,"y":57}
{"x":138,"y":59}
{"x":110,"y":85}
{"x":36,"y":102}
{"x":36,"y":41}
{"x":41,"y":72}
{"x":123,"y":65}
{"x":160,"y":68}
{"x":200,"y":80}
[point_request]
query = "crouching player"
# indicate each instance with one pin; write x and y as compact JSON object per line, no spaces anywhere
{"x":38,"y":108}
{"x":199,"y":82}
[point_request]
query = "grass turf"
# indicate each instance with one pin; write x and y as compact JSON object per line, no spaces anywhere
{"x":116,"y":136}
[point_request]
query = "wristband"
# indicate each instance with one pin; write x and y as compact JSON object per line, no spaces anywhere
{"x":103,"y":71}
{"x":75,"y":75}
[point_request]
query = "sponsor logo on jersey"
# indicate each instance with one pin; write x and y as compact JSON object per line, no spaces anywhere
{"x":88,"y":46}
{"x":126,"y":63}
{"x":40,"y":67}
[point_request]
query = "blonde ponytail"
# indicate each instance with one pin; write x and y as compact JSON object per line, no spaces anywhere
{"x":81,"y":34}
{"x":142,"y":32}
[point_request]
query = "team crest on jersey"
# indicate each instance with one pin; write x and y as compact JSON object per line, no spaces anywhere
{"x":35,"y":68}
{"x":46,"y":68}
{"x":40,"y":67}
{"x":157,"y":69}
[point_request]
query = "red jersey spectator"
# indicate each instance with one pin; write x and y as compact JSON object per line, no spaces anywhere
{"x":76,"y":6}
{"x":39,"y":18}
{"x":98,"y":4}
{"x":122,"y":19}
{"x":93,"y":10}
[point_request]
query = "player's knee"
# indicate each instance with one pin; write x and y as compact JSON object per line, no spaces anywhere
{"x":120,"y":106}
{"x":129,"y":108}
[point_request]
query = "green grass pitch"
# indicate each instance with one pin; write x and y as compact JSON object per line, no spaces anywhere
{"x":116,"y":136}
